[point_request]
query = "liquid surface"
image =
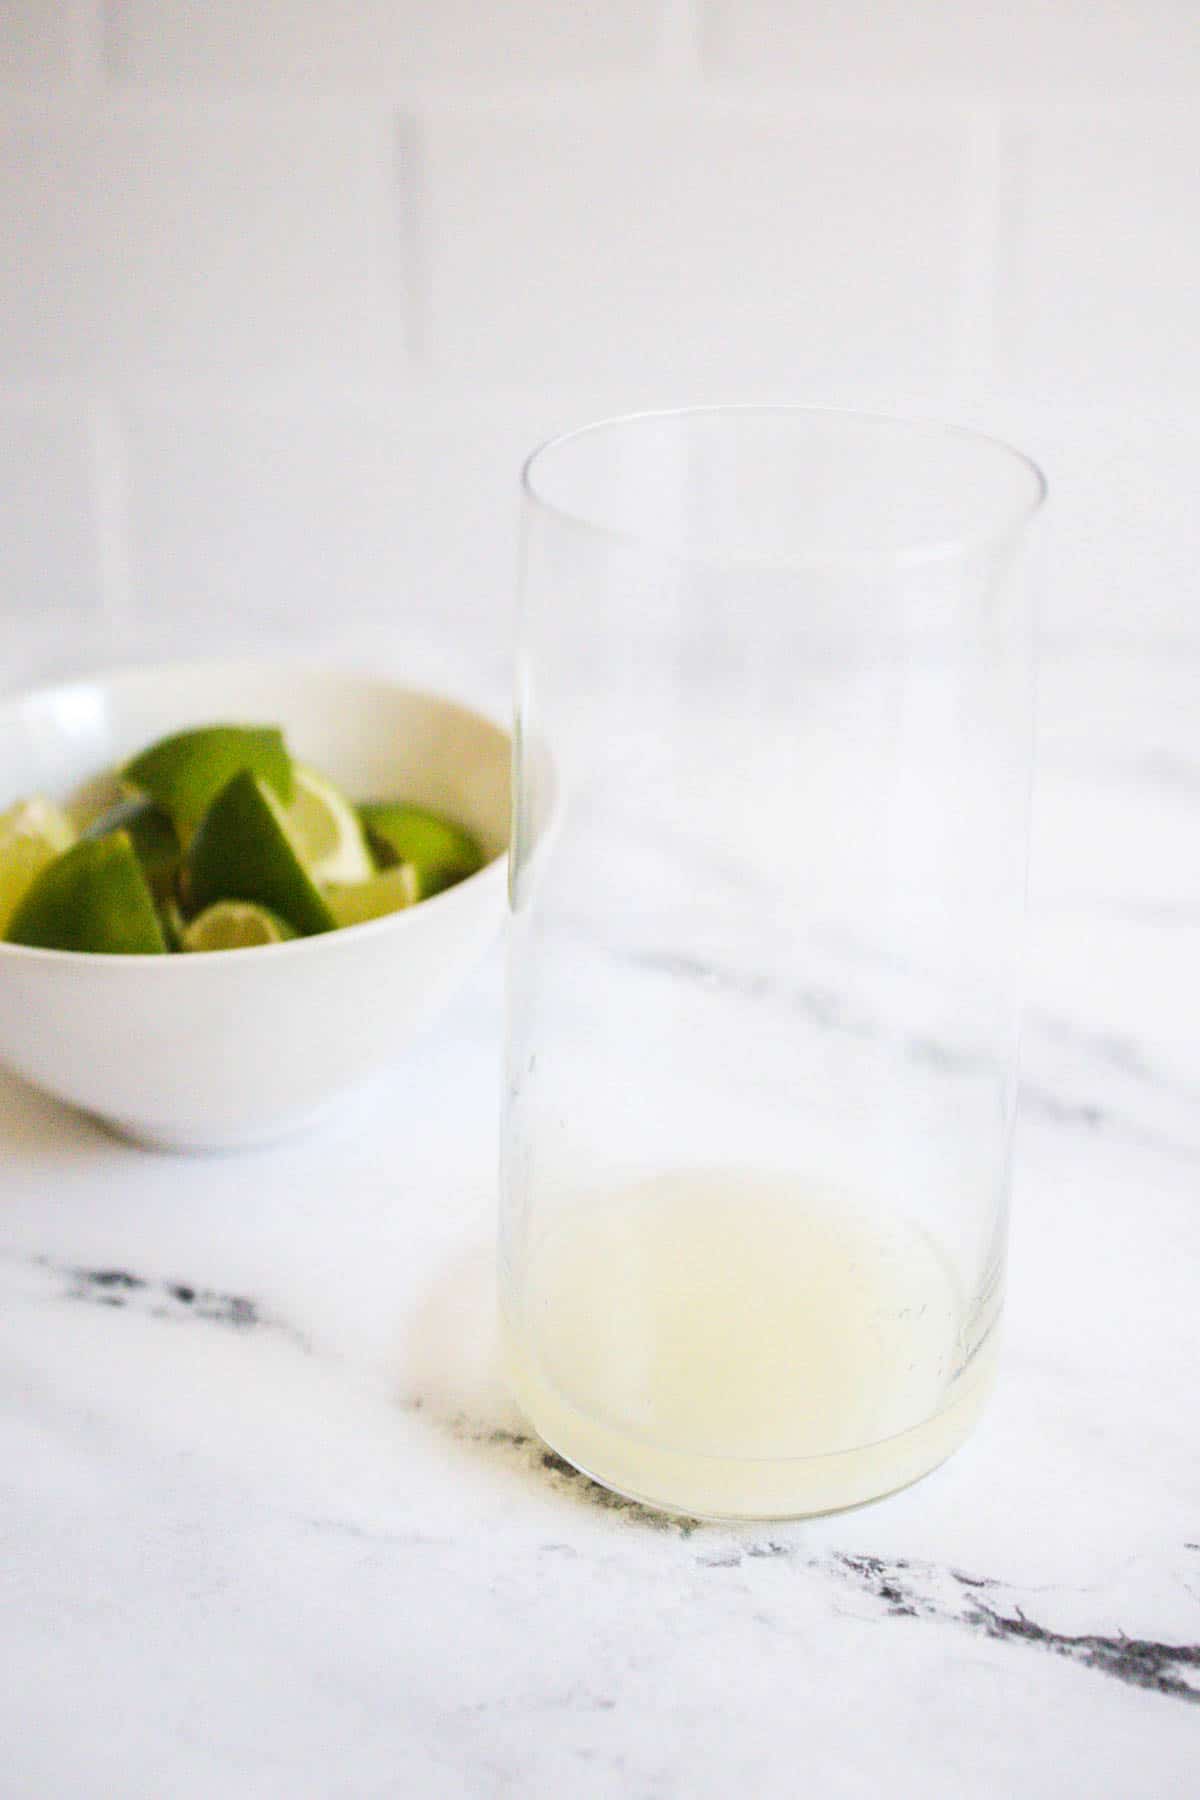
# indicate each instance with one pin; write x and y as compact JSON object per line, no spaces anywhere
{"x":720,"y":1343}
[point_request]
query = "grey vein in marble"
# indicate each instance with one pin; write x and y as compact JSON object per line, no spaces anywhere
{"x":120,"y":1289}
{"x":824,"y":1008}
{"x":906,"y":1589}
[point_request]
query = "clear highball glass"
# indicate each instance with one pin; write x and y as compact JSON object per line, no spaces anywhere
{"x":774,"y":696}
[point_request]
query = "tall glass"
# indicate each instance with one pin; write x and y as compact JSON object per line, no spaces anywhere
{"x":774,"y":734}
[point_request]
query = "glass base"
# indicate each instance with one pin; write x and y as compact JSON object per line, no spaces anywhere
{"x":740,"y":1489}
{"x":729,"y":1344}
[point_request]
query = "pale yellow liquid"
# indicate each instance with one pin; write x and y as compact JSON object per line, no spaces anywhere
{"x":716,"y":1344}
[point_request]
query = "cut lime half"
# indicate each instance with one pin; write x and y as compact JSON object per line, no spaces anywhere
{"x":235,"y":925}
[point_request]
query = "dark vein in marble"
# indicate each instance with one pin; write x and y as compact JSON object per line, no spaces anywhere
{"x":537,"y":1457}
{"x":120,"y":1289}
{"x":906,"y":1589}
{"x":909,"y":1591}
{"x":164,"y":1299}
{"x":1138,"y":1662}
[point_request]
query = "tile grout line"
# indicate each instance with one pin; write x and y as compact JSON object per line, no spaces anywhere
{"x":679,"y":61}
{"x":88,"y":29}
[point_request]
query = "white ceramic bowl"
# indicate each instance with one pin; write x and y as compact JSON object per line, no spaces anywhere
{"x":239,"y":1047}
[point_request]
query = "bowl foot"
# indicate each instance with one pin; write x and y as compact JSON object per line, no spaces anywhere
{"x":201,"y":1140}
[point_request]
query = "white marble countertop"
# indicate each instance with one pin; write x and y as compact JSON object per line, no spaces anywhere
{"x":270,"y":1529}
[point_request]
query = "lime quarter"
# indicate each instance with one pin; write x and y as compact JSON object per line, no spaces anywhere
{"x":242,"y":850}
{"x":185,"y":772}
{"x":93,"y":897}
{"x":440,"y":852}
{"x":325,"y":829}
{"x":389,"y":892}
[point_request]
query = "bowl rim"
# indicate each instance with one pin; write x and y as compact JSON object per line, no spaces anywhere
{"x":299,"y":667}
{"x":296,"y":665}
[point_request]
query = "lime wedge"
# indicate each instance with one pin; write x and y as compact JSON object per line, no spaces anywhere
{"x":243,"y":850}
{"x":326,"y":831}
{"x":92,"y":897}
{"x":154,"y":840}
{"x":235,"y":925}
{"x":440,"y":852}
{"x":184,"y":773}
{"x":386,"y":893}
{"x":32,"y":834}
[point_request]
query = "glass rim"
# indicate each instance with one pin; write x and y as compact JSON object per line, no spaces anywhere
{"x":907,"y":556}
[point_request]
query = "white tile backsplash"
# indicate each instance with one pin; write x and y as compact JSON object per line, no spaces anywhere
{"x":238,"y":241}
{"x":1050,"y":49}
{"x":370,"y":43}
{"x":50,"y":595}
{"x":696,"y":252}
{"x":245,"y":516}
{"x":314,"y":278}
{"x":1123,"y":526}
{"x":47,"y":43}
{"x":334,"y":520}
{"x":1101,"y":282}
